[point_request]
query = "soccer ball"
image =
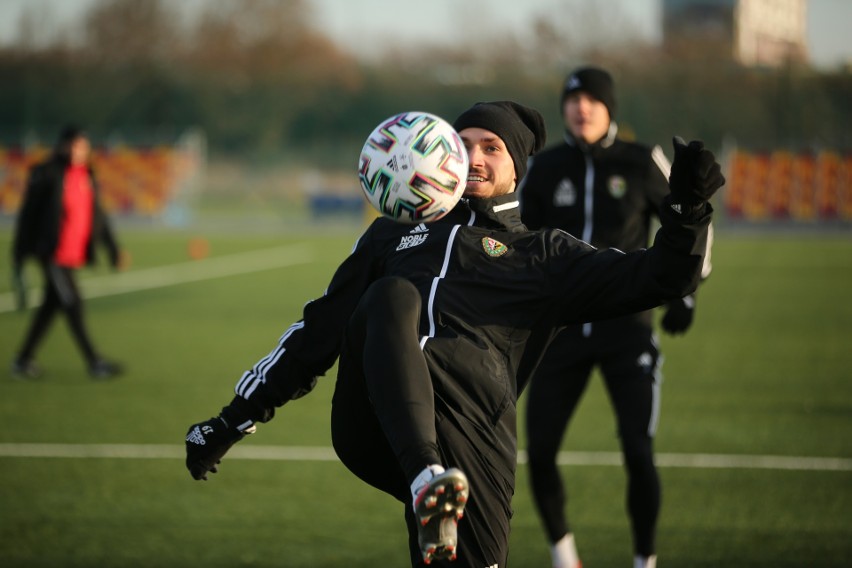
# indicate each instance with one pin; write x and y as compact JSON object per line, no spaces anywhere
{"x":413,"y":167}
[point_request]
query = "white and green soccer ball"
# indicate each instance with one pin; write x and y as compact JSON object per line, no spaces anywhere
{"x":413,"y":167}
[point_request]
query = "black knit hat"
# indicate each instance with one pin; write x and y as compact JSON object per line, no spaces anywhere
{"x":521,"y":128}
{"x":68,"y":133}
{"x":594,"y":81}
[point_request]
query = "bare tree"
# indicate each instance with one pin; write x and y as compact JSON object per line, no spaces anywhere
{"x":37,"y":29}
{"x":265,"y":40}
{"x":122,"y":32}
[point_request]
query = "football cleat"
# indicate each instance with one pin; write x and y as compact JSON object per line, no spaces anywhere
{"x":438,"y":507}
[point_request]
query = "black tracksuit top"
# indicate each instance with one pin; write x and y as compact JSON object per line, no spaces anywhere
{"x":607,"y":194}
{"x":628,"y":184}
{"x":493,"y":293}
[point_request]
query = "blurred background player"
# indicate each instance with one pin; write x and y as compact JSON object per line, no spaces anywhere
{"x":606,"y":192}
{"x":60,"y":221}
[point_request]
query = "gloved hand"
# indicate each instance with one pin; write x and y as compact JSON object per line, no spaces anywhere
{"x":695,"y":174}
{"x":208,"y":442}
{"x":678,"y":316}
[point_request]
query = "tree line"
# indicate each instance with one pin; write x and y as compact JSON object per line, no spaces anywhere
{"x":266,"y":84}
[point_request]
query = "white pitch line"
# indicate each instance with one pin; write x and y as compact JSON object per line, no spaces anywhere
{"x":181,"y":273}
{"x":709,"y":461}
{"x":320,"y":453}
{"x":162,"y":451}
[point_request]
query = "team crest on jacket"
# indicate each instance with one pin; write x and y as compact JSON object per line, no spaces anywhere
{"x":617,"y":186}
{"x":493,"y":247}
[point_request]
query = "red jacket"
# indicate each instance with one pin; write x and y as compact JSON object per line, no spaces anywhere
{"x":40,"y":218}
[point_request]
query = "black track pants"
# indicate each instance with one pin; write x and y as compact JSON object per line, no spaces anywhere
{"x":386,"y":426}
{"x":628,"y":359}
{"x":60,"y":294}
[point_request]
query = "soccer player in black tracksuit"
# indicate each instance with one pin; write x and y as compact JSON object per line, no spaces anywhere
{"x":60,"y":223}
{"x":606,"y":192}
{"x":437,"y":327}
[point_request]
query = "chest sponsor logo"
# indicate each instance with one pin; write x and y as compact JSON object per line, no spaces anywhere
{"x":416,"y":236}
{"x":565,"y":194}
{"x":493,"y":247}
{"x":410,"y":241}
{"x":617,"y":186}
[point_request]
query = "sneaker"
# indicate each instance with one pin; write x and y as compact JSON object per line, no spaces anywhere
{"x":563,"y":553}
{"x":645,"y":561}
{"x":438,"y":507}
{"x":25,"y":370}
{"x":103,"y":369}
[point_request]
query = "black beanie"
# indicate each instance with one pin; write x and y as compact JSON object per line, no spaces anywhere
{"x":68,"y":133}
{"x":521,"y":128}
{"x":594,"y":81}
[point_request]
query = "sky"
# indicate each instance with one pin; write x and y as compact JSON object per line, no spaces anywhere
{"x":347,"y":21}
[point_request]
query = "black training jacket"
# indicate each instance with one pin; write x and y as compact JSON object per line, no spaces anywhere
{"x":493,"y":294}
{"x":607,"y":194}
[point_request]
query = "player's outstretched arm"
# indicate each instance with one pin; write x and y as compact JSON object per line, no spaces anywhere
{"x":615,"y":284}
{"x":695,"y":178}
{"x":305,"y":351}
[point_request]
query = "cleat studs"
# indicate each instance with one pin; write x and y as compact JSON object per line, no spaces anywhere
{"x":439,"y":508}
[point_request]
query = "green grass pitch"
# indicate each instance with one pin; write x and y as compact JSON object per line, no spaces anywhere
{"x":764,"y":371}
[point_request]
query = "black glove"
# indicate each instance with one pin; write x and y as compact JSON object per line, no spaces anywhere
{"x":208,"y":442}
{"x":678,"y":316}
{"x":695,"y":175}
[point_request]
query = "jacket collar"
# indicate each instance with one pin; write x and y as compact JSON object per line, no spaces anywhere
{"x":502,"y":212}
{"x":604,"y":142}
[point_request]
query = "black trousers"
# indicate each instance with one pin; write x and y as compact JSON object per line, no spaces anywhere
{"x":628,"y":358}
{"x":60,"y":295}
{"x":388,"y":423}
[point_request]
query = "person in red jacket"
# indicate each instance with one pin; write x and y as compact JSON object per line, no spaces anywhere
{"x":60,"y":221}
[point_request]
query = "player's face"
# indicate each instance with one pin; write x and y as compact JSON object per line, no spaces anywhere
{"x":492,"y":171}
{"x":586,"y":118}
{"x":80,"y":150}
